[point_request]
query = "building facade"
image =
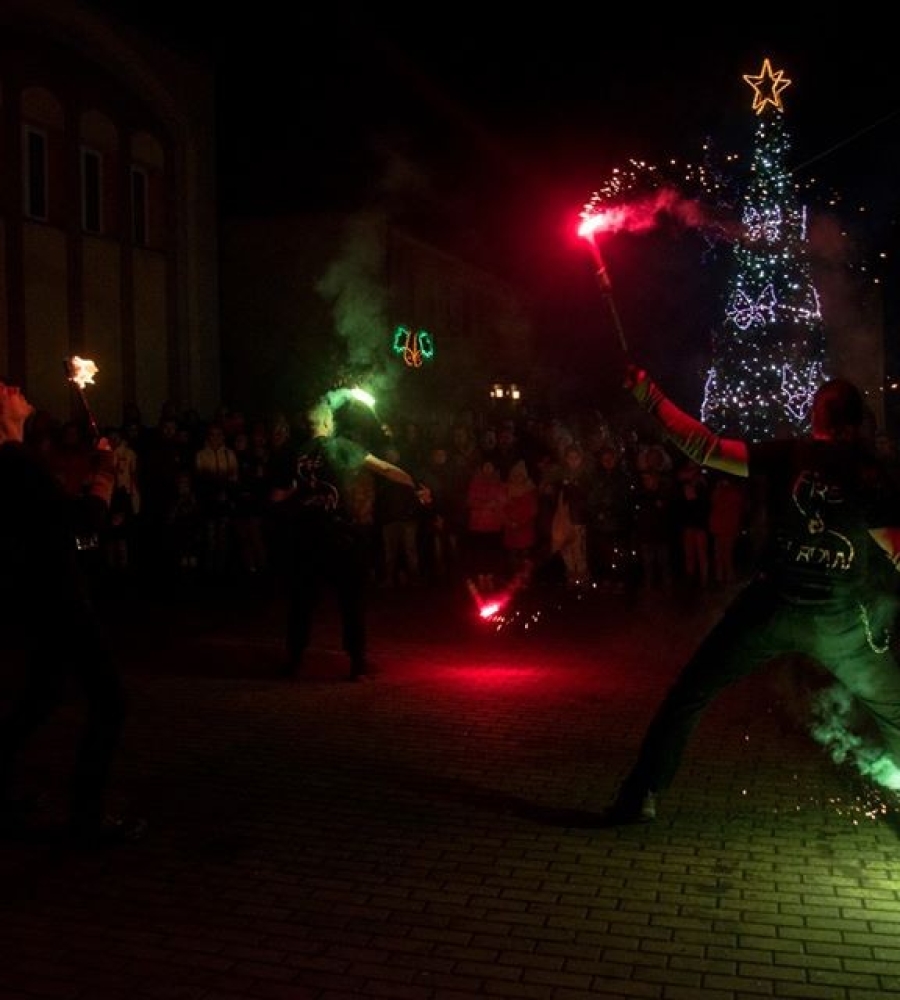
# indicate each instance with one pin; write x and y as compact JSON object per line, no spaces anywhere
{"x":108,"y":245}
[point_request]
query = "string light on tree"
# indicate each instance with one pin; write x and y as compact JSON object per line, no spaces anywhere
{"x":768,"y":356}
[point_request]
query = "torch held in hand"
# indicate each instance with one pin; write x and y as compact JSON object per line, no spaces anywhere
{"x":80,"y":372}
{"x":605,"y":284}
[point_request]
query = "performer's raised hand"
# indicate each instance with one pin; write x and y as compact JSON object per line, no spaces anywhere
{"x":634,"y":375}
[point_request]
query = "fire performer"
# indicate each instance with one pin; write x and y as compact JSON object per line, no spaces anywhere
{"x":309,"y":501}
{"x":50,"y":620}
{"x":833,"y":522}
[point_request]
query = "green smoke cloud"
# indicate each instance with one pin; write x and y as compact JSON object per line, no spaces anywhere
{"x":833,"y":710}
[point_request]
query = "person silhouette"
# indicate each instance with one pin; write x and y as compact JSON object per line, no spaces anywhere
{"x":310,"y":501}
{"x":832,"y":512}
{"x":52,"y":628}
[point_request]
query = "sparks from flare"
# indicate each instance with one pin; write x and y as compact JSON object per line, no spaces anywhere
{"x":500,"y":607}
{"x":489,"y":608}
{"x":642,"y":214}
{"x":637,"y":196}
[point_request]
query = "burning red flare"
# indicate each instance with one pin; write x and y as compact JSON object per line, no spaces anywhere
{"x":488,"y":608}
{"x":641,"y":214}
{"x":602,"y":220}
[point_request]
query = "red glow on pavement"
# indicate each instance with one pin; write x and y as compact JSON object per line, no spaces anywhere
{"x":524,"y":669}
{"x":514,"y":668}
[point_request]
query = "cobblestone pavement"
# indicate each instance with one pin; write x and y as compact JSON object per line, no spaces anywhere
{"x":432,"y":834}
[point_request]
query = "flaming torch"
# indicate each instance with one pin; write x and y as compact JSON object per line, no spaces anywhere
{"x":594,"y":220}
{"x":80,"y":372}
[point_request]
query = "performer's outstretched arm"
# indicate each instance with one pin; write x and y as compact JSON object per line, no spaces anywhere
{"x":695,"y":439}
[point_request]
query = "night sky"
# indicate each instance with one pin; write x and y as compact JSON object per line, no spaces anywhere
{"x":497,"y":128}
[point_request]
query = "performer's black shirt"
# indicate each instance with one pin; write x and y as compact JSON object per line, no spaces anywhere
{"x":320,"y":476}
{"x":38,"y":521}
{"x":822,"y":497}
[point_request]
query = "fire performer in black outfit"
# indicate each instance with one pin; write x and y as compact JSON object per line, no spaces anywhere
{"x":52,"y":630}
{"x":324,"y":545}
{"x":833,"y":519}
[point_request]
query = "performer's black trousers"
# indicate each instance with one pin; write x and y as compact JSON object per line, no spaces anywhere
{"x":756,"y":628}
{"x":336,"y":561}
{"x":67,"y":649}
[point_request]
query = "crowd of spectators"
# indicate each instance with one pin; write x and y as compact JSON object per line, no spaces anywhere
{"x":577,"y":500}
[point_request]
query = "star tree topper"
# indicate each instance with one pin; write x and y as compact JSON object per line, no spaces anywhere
{"x":767,"y":87}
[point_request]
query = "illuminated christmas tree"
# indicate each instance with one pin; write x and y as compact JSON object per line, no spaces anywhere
{"x":768,"y":355}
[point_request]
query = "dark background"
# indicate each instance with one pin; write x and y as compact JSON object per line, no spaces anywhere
{"x":496,"y":128}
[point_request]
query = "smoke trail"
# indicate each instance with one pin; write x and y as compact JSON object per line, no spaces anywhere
{"x":834,"y":708}
{"x":354,"y":284}
{"x":646,"y":212}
